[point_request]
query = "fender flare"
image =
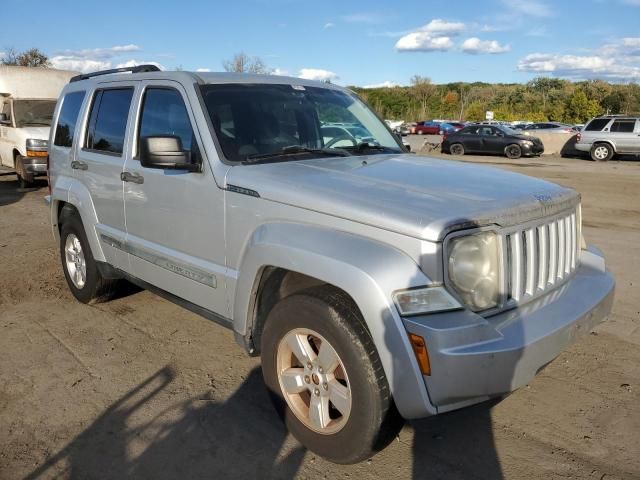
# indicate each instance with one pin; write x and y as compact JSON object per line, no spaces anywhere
{"x":73,"y":192}
{"x":367,"y":270}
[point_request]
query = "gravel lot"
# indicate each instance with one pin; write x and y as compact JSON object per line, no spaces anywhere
{"x":140,"y":388}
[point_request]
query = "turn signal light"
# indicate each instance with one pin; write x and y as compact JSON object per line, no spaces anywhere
{"x":420,"y":350}
{"x":34,"y":153}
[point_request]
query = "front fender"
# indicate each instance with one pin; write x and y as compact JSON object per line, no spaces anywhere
{"x":369,"y":271}
{"x":69,"y":190}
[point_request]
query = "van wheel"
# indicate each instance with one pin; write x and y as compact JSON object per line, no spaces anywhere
{"x":419,"y":132}
{"x":456,"y":149}
{"x":325,"y":377}
{"x":601,"y":152}
{"x":80,"y":269}
{"x":513,"y":151}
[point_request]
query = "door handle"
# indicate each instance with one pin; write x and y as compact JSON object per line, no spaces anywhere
{"x":76,"y":165}
{"x":132,"y":177}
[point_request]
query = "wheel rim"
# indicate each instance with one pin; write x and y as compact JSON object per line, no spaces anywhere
{"x":313,"y":381}
{"x":76,"y":264}
{"x":456,"y":149}
{"x":513,"y":151}
{"x":601,"y":152}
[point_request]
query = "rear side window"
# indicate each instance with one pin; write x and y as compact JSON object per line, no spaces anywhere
{"x":68,"y":119}
{"x":108,"y":120}
{"x":624,"y":125}
{"x":597,"y":124}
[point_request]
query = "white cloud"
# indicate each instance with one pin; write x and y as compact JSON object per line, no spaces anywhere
{"x":534,"y":8}
{"x":580,"y":66}
{"x":385,"y":84}
{"x":280,"y":71}
{"x":92,"y":59}
{"x":79,"y":64}
{"x":423,"y":42}
{"x":432,"y":37}
{"x":203,"y":70}
{"x":475,"y":46}
{"x":100,"y":53}
{"x":317,"y":74}
{"x":134,"y":63}
{"x":328,"y":25}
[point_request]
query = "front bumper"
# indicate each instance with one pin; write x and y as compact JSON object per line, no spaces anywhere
{"x":534,"y":149}
{"x":32,"y":167}
{"x":475,"y":358}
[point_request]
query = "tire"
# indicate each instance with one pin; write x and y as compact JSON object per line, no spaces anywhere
{"x":419,"y":132}
{"x":601,"y":152}
{"x":513,"y":151}
{"x":456,"y":149}
{"x":326,"y":314}
{"x":93,"y":288}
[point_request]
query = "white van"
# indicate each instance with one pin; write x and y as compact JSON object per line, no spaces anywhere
{"x":27,"y":100}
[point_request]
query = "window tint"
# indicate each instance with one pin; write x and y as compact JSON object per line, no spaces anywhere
{"x":68,"y":118}
{"x":625,"y":125}
{"x":597,"y":124}
{"x":108,"y":121}
{"x":164,"y":113}
{"x":469,"y":131}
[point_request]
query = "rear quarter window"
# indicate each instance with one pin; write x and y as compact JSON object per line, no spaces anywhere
{"x":626,"y":125}
{"x":597,"y":124}
{"x":68,"y":118}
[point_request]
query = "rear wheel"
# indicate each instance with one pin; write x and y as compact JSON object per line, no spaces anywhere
{"x":325,"y":377}
{"x":513,"y":151}
{"x":601,"y":152}
{"x":80,"y":269}
{"x":456,"y":149}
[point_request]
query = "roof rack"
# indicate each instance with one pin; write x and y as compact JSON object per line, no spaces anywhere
{"x":136,"y":69}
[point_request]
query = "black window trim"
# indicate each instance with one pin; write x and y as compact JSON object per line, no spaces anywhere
{"x":98,"y":91}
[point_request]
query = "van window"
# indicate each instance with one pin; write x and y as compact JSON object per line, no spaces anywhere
{"x":597,"y":124}
{"x":624,"y":125}
{"x":164,"y":113}
{"x":108,"y":120}
{"x":68,"y":118}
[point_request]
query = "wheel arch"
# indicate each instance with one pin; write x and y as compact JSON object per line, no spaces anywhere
{"x":282,"y":258}
{"x":610,"y":143}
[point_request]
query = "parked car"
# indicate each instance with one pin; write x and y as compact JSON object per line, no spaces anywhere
{"x":605,"y":136}
{"x":370,"y":281}
{"x":494,"y":139}
{"x":426,"y":128}
{"x":549,"y":127}
{"x":27,"y":99}
{"x":403,"y":130}
{"x":457,"y":125}
{"x":447,"y":128}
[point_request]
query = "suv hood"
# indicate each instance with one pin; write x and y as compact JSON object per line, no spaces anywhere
{"x":32,"y":131}
{"x":417,"y":196}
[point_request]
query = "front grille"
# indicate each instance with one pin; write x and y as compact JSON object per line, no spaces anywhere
{"x":541,"y":256}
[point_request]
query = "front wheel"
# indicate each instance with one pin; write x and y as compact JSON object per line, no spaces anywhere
{"x":325,"y":377}
{"x":456,"y":149}
{"x":513,"y":151}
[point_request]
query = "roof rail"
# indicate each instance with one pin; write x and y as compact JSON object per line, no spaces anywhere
{"x":136,"y":69}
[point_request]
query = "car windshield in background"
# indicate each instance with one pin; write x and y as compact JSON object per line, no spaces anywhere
{"x":258,"y":121}
{"x":507,"y":130}
{"x":33,"y":112}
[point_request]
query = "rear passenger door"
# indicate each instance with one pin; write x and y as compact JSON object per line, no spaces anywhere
{"x":99,"y":162}
{"x":625,"y":135}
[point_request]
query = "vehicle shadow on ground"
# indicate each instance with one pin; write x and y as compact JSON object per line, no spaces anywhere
{"x":10,"y":191}
{"x":198,"y":438}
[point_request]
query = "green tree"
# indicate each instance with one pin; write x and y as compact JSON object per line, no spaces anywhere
{"x":580,"y":108}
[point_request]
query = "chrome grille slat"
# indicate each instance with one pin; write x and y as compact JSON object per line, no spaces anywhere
{"x":540,"y":256}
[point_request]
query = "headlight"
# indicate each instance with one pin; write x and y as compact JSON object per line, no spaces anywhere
{"x":37,"y":143}
{"x":424,"y":300}
{"x":528,"y":143}
{"x":474,"y":269}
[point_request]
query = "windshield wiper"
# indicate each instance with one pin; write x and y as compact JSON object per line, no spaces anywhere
{"x":37,"y":123}
{"x":360,"y":147}
{"x":295,"y":150}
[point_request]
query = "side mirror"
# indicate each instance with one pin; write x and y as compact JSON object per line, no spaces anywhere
{"x":4,"y":119}
{"x":165,"y":152}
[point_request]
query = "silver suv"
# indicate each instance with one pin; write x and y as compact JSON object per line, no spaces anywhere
{"x":370,"y":281}
{"x":608,"y":135}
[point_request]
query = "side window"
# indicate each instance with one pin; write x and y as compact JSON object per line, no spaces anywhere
{"x":597,"y":124}
{"x":624,"y":125}
{"x":164,"y":113}
{"x":68,"y":118}
{"x":108,"y":120}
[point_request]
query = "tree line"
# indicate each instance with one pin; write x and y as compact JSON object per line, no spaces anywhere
{"x":541,"y":99}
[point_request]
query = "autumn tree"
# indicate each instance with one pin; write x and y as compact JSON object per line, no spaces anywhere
{"x":422,"y":90}
{"x":29,"y":58}
{"x":243,"y":63}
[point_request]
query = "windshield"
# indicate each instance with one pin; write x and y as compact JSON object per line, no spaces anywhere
{"x":33,"y":112}
{"x":271,"y":121}
{"x":508,"y":130}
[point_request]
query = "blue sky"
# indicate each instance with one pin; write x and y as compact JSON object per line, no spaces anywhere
{"x":351,"y":42}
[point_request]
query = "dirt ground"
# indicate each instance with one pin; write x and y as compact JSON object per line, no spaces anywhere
{"x":140,"y":388}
